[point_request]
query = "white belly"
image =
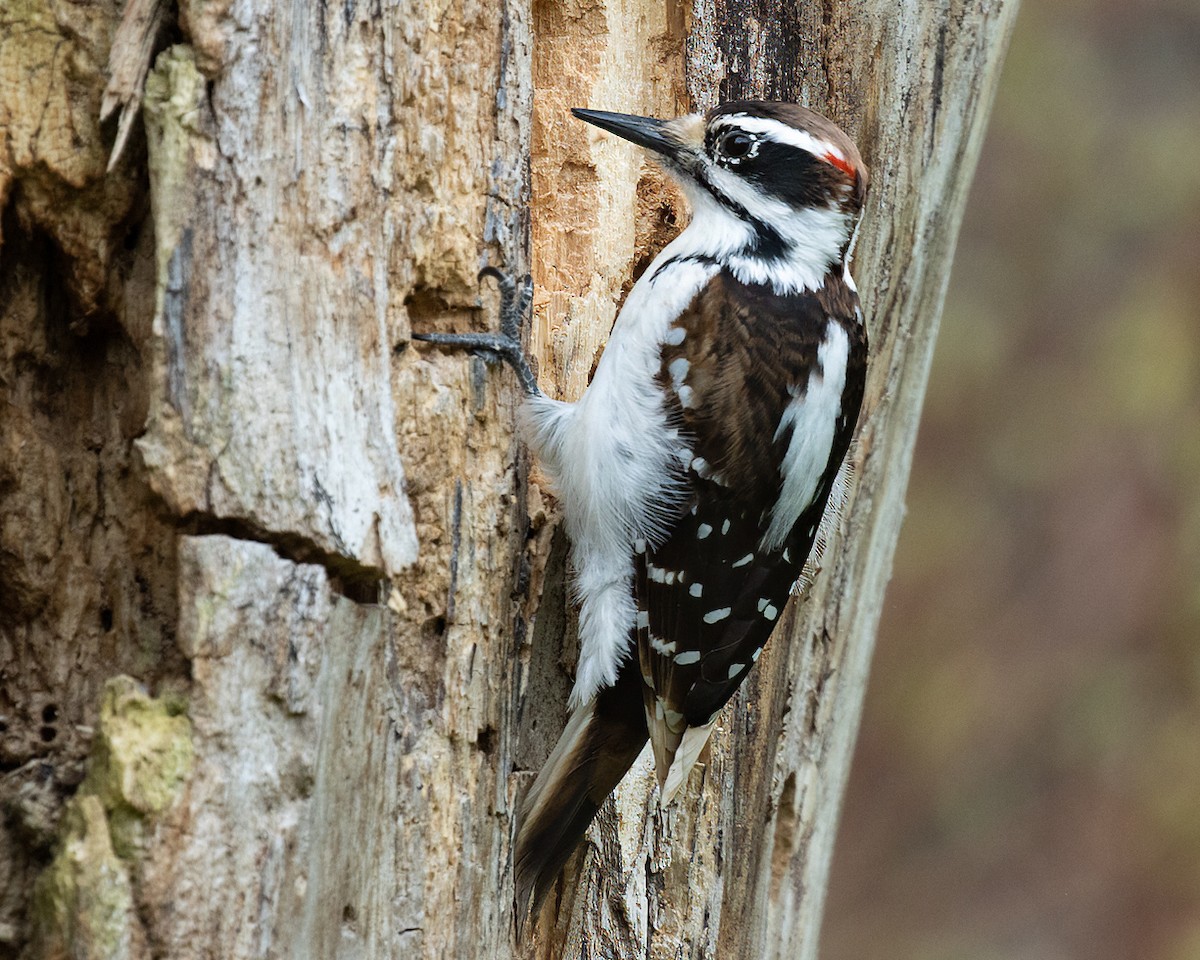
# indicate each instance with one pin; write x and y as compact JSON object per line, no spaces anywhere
{"x":616,"y":464}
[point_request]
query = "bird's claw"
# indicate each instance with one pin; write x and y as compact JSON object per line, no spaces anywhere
{"x":505,"y":345}
{"x":514,"y":302}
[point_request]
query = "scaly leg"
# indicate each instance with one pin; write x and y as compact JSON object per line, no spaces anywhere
{"x":505,"y":345}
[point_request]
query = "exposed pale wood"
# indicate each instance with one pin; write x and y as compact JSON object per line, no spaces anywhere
{"x":227,"y":474}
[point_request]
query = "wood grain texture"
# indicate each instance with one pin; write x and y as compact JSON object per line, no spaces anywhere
{"x":312,"y":182}
{"x":234,"y":492}
{"x":258,"y":421}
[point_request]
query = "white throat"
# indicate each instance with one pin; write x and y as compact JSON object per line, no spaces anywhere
{"x":814,"y":238}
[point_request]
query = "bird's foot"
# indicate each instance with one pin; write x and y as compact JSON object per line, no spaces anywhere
{"x":505,"y":345}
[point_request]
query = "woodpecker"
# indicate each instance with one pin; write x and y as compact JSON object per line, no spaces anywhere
{"x":695,"y":470}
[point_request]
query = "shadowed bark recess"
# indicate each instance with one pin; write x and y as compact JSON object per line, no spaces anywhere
{"x":284,"y":626}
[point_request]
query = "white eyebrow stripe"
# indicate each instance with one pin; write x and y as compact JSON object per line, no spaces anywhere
{"x":781,"y":133}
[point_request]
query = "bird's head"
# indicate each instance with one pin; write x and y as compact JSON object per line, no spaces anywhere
{"x":776,"y":189}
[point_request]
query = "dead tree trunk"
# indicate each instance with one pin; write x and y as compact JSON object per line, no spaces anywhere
{"x":283,"y":624}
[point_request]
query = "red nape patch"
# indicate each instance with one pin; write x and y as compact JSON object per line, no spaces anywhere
{"x":844,"y":165}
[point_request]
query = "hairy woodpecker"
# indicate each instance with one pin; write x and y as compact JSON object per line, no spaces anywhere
{"x":695,"y":470}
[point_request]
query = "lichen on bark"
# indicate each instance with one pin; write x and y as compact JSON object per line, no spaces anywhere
{"x":83,"y":903}
{"x":141,"y":756}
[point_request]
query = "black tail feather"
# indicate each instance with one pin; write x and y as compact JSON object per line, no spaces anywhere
{"x":601,"y":740}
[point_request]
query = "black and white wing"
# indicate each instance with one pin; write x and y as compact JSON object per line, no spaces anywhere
{"x":741,"y":364}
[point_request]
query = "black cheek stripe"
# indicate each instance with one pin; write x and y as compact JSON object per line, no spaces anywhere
{"x":767,"y":243}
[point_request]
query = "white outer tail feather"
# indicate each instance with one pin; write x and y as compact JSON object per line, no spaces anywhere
{"x":693,"y":741}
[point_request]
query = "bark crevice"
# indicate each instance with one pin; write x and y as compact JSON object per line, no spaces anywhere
{"x":348,"y":577}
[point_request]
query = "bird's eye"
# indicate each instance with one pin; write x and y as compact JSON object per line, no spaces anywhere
{"x":736,"y":145}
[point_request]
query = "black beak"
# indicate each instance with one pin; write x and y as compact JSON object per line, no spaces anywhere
{"x":644,"y":131}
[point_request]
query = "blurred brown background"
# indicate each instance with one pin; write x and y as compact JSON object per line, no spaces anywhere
{"x":1027,"y":781}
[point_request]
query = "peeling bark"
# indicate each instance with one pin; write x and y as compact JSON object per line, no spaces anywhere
{"x":285,"y":626}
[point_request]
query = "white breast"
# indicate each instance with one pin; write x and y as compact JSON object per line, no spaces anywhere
{"x":616,"y":463}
